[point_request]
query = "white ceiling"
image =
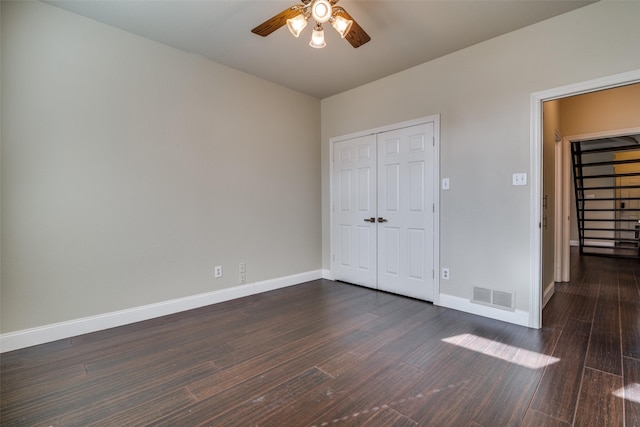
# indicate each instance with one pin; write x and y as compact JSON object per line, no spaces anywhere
{"x":403,"y":34}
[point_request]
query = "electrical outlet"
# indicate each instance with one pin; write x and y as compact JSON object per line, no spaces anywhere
{"x":445,"y":273}
{"x":243,"y":278}
{"x":519,"y":179}
{"x":218,"y":271}
{"x":243,"y":267}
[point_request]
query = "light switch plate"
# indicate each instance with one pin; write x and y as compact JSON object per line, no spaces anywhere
{"x":519,"y":179}
{"x":445,"y":183}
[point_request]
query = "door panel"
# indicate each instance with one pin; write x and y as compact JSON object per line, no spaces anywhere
{"x":390,"y":255}
{"x":365,"y":238}
{"x":344,"y":244}
{"x":392,"y":187}
{"x":355,"y":241}
{"x":416,"y":187}
{"x":416,"y":243}
{"x":406,"y":238}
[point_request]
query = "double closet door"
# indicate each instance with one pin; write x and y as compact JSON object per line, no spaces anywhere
{"x":384,"y":211}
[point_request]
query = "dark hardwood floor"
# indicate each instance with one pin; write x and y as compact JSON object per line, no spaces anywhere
{"x":332,"y":354}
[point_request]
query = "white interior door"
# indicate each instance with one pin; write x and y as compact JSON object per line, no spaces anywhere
{"x":406,"y":211}
{"x":383,"y":211}
{"x":354,"y":211}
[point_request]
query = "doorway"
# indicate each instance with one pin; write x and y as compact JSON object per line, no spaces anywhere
{"x":611,"y":200}
{"x":537,"y":101}
{"x":384,"y":208}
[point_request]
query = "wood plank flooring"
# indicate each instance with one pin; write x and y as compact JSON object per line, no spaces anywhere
{"x":333,"y":354}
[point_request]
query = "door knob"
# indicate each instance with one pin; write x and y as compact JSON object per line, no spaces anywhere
{"x":380,"y":219}
{"x":370,"y":219}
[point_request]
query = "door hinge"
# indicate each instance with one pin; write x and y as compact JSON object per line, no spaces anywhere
{"x":433,"y":208}
{"x":433,"y":274}
{"x":433,"y":141}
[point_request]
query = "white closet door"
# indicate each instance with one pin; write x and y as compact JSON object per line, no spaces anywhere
{"x":405,"y":211}
{"x":354,"y":211}
{"x":383,"y":211}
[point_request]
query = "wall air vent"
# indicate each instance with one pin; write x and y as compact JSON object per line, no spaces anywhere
{"x":481,"y":295}
{"x":493,"y":298}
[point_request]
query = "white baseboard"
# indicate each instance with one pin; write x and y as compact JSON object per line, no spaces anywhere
{"x":517,"y":317}
{"x":43,"y":334}
{"x":574,"y":243}
{"x":326,"y":274}
{"x":548,"y":293}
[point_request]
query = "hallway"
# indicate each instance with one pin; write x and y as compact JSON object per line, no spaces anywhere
{"x":598,"y":312}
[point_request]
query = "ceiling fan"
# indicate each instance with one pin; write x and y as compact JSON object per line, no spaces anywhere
{"x":297,"y":16}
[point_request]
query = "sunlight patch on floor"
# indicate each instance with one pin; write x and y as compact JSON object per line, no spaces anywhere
{"x":630,"y":392}
{"x":520,"y":356}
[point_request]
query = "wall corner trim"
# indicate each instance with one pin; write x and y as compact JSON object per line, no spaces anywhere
{"x":56,"y":331}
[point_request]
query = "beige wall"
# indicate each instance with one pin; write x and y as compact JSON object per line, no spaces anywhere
{"x":483,"y":96}
{"x":607,"y":110}
{"x":130,"y":169}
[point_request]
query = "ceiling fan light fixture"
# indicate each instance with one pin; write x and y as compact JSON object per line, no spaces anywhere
{"x":297,"y":24}
{"x":341,"y":25}
{"x":298,"y":16}
{"x":317,"y":38}
{"x":321,"y":10}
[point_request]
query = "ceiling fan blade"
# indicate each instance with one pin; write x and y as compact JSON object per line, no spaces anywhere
{"x":356,"y":35}
{"x":272,"y":24}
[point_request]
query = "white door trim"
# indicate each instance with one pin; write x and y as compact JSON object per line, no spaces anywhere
{"x":435,"y":119}
{"x":559,"y":222}
{"x":536,"y":100}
